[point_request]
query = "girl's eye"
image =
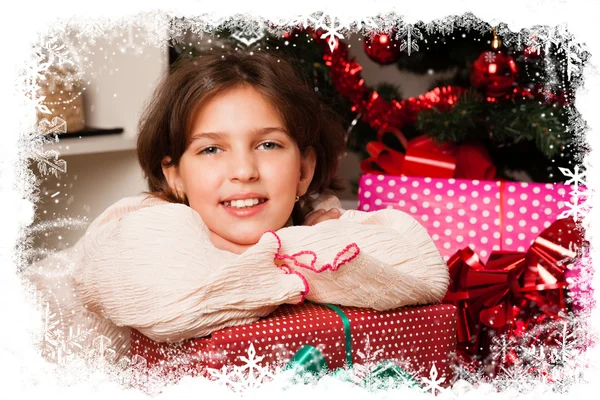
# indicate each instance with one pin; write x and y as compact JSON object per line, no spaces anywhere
{"x":269,"y":145}
{"x":210,"y":150}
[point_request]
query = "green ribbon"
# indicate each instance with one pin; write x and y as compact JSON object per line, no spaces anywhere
{"x":310,"y":362}
{"x":347,"y":333}
{"x":309,"y":359}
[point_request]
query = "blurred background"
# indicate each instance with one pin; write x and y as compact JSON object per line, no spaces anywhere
{"x":462,"y":86}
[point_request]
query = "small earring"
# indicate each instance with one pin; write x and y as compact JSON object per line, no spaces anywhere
{"x":178,"y":194}
{"x":297,"y":198}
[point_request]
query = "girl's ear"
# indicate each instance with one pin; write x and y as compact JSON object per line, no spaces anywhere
{"x":308,"y":164}
{"x":171,"y":173}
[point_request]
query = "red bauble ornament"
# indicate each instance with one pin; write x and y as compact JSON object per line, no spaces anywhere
{"x":382,"y":49}
{"x":494,"y":73}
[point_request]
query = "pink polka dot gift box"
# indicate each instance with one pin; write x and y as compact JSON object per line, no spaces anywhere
{"x":414,"y":338}
{"x":483,"y":215}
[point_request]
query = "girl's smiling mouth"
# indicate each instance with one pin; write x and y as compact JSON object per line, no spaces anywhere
{"x":244,"y":203}
{"x":240,"y":209}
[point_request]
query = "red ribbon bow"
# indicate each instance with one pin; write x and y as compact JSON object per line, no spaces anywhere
{"x":425,"y":157}
{"x":510,"y":286}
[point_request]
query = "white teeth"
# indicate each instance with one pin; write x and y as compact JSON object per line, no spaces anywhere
{"x":242,"y":203}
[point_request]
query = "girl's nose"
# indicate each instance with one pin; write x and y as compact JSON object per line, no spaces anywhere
{"x":243,"y":167}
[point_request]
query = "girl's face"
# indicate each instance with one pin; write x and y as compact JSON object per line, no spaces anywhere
{"x":241,"y":170}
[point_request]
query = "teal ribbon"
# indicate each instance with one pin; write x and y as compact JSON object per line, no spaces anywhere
{"x":308,"y":359}
{"x":347,"y":333}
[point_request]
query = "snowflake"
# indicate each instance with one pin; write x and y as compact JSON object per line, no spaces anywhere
{"x":510,"y":38}
{"x":369,"y":359}
{"x":250,"y":375}
{"x":92,"y":29}
{"x":568,"y":344}
{"x":365,"y":24}
{"x":101,"y":348}
{"x":52,"y":335}
{"x":518,"y":377}
{"x":470,"y":22}
{"x":581,"y":199}
{"x":490,"y":57}
{"x":76,"y":339}
{"x":35,"y":71}
{"x":576,"y":178}
{"x":407,"y":35}
{"x":432,"y":383}
{"x":544,"y":36}
{"x":248,"y":38}
{"x":466,"y":373}
{"x":304,"y":21}
{"x":58,"y":344}
{"x":558,"y":36}
{"x":501,"y":348}
{"x":47,"y":161}
{"x":535,"y":356}
{"x":443,"y":27}
{"x":54,"y":53}
{"x":331,"y":31}
{"x":573,"y":63}
{"x":247,"y":31}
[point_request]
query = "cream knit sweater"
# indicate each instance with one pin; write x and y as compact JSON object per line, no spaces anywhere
{"x":150,"y":265}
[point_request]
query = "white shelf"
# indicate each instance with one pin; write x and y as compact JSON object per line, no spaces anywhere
{"x":93,"y":144}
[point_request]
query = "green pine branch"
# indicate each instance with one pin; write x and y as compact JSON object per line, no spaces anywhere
{"x":503,"y":123}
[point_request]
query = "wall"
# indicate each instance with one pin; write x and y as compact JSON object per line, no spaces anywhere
{"x":122,"y":72}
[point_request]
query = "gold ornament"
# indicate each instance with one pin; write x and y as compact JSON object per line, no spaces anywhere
{"x":496,"y":42}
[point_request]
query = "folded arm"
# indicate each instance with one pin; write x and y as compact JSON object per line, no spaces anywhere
{"x":381,"y":260}
{"x":156,"y":271}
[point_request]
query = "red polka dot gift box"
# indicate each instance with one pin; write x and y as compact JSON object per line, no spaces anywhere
{"x":483,"y":215}
{"x":414,"y":338}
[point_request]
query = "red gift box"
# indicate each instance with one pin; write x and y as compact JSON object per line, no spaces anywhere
{"x":415,"y":338}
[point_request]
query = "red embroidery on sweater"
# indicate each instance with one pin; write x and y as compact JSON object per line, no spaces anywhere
{"x":297,"y":262}
{"x":351,"y":247}
{"x":288,"y":270}
{"x":337,"y":263}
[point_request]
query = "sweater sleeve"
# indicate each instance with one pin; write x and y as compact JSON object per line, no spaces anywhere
{"x":380,"y":260}
{"x":156,"y":270}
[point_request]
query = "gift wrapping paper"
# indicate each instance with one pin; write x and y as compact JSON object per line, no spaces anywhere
{"x":484,"y":215}
{"x":413,"y":337}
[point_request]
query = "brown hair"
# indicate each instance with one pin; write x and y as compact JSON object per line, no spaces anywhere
{"x":166,"y":122}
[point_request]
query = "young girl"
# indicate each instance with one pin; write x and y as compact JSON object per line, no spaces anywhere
{"x":235,"y":148}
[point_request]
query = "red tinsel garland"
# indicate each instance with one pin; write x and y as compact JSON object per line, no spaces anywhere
{"x":375,"y":110}
{"x":380,"y":113}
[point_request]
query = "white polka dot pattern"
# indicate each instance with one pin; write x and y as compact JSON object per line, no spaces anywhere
{"x":416,"y":335}
{"x":485,"y":215}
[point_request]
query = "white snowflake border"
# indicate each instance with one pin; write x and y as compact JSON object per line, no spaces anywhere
{"x":581,"y":196}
